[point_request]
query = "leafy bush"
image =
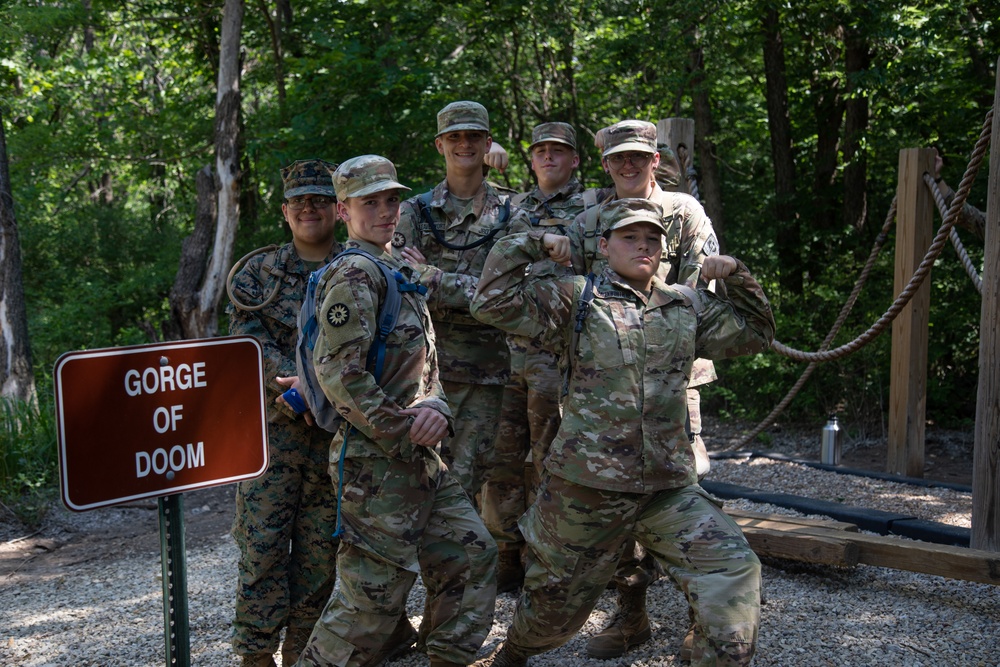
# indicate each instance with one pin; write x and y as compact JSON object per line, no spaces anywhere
{"x":28,"y":460}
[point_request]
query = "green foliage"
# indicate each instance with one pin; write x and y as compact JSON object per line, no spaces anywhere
{"x":28,"y":462}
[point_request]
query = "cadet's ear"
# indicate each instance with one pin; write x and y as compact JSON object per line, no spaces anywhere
{"x":602,"y":246}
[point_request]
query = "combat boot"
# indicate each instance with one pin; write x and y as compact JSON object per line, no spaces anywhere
{"x":258,"y":660}
{"x":689,"y":653}
{"x":399,"y":642}
{"x":502,"y":656}
{"x":293,"y":645}
{"x":628,"y":628}
{"x":510,"y":572}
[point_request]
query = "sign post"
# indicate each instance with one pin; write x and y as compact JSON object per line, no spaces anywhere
{"x":153,"y":421}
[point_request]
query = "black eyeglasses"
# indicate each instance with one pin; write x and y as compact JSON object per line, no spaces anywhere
{"x":317,"y":202}
{"x":638,"y":160}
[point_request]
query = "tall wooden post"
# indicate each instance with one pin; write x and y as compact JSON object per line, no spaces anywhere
{"x":986,"y":457}
{"x":908,"y":384}
{"x":677,"y":132}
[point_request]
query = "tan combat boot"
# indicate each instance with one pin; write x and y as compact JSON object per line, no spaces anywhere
{"x":510,"y":572}
{"x":628,"y":628}
{"x":399,"y":642}
{"x":502,"y":656}
{"x":258,"y":660}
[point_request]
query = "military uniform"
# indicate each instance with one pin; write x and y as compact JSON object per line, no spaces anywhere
{"x":402,"y":513}
{"x":530,"y":409}
{"x":285,"y":519}
{"x":622,"y":465}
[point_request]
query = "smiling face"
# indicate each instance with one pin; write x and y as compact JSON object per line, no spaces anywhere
{"x":553,"y":164}
{"x":312,"y":219}
{"x":372,"y":218}
{"x":463,"y":150}
{"x":633,"y":252}
{"x":631,"y":179}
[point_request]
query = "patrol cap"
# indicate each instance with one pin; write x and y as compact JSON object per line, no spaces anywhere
{"x":365,"y":175}
{"x":463,"y":115}
{"x":559,"y":133}
{"x":620,"y":213}
{"x":630,"y":135}
{"x":308,"y":177}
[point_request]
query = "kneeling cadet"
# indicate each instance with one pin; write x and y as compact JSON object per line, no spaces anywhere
{"x":621,"y":465}
{"x":400,"y":510}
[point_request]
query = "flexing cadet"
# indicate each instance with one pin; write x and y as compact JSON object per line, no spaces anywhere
{"x":446,"y":235}
{"x":401,"y":511}
{"x":622,"y":465}
{"x":631,"y":157}
{"x":285,"y":519}
{"x":530,"y":410}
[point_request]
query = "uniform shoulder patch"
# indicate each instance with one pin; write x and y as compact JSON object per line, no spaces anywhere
{"x":398,"y":240}
{"x":338,"y":315}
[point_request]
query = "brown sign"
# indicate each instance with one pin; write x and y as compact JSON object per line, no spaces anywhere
{"x":155,"y":420}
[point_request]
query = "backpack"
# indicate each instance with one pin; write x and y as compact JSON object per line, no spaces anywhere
{"x":316,"y":401}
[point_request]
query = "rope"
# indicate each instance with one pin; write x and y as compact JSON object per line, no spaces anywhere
{"x":953,"y":236}
{"x":918,"y":276}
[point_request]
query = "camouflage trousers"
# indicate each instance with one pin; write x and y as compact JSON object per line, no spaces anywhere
{"x":401,"y":519}
{"x":529,"y":419}
{"x":576,"y":536}
{"x":284,"y":528}
{"x":469,"y":453}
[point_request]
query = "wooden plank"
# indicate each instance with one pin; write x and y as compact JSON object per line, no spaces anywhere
{"x":762,"y":519}
{"x":908,"y":364}
{"x":986,"y":455}
{"x":802,"y":547}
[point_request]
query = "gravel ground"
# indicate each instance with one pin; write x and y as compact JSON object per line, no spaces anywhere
{"x":109,"y":612}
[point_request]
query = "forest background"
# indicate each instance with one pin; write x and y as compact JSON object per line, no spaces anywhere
{"x":111,"y":108}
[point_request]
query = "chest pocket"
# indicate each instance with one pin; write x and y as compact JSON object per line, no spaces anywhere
{"x":670,"y":338}
{"x":610,"y":333}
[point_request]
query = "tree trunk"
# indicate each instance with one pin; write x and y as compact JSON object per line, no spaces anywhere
{"x":857,"y":60}
{"x":789,"y":237}
{"x":828,"y":110}
{"x":16,"y":378}
{"x":711,"y":186}
{"x":196,"y":312}
{"x":194,"y":257}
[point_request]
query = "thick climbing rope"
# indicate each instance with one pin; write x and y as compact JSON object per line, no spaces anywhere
{"x":963,"y":256}
{"x":947,"y":229}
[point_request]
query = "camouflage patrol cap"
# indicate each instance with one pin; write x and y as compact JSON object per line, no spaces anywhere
{"x":308,"y":177}
{"x":624,"y":212}
{"x":463,"y":115}
{"x":365,"y":175}
{"x":559,"y":133}
{"x":630,"y":135}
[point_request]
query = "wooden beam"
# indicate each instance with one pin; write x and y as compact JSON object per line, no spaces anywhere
{"x":986,"y":455}
{"x":678,"y":132}
{"x":761,"y":520}
{"x":908,"y":366}
{"x":776,"y":543}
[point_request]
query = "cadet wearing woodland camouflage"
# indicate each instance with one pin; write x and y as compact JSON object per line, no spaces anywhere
{"x":285,"y":519}
{"x":530,"y":411}
{"x":446,"y":234}
{"x":631,"y":157}
{"x":622,"y":465}
{"x":401,"y":511}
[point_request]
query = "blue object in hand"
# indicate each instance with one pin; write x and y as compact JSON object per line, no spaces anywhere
{"x":295,"y":400}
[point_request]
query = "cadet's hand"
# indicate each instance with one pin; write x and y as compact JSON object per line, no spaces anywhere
{"x":429,"y":426}
{"x":496,"y":158}
{"x":558,"y":248}
{"x":413,"y":256}
{"x":718,"y":266}
{"x":293,"y":383}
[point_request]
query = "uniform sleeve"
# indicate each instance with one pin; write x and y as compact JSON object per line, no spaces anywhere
{"x":511,"y":298}
{"x":575,"y":232}
{"x":347,"y":317}
{"x":738,"y":324}
{"x":698,"y":241}
{"x":248,"y":290}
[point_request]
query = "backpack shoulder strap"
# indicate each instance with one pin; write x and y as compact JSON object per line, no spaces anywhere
{"x":582,"y":309}
{"x":592,"y":211}
{"x":693,"y":297}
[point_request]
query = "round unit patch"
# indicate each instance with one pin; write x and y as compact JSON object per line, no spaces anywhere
{"x":398,"y":240}
{"x":338,"y":315}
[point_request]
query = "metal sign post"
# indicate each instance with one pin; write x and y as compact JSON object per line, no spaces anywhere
{"x":153,"y":421}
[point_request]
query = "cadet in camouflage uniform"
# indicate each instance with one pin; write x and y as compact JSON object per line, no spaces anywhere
{"x":285,"y":519}
{"x":446,"y":234}
{"x":622,"y":465}
{"x":632,"y":158}
{"x":530,"y":410}
{"x":402,"y":512}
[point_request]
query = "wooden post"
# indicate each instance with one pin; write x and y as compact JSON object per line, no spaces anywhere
{"x":986,"y":457}
{"x":677,"y":132}
{"x":908,"y":384}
